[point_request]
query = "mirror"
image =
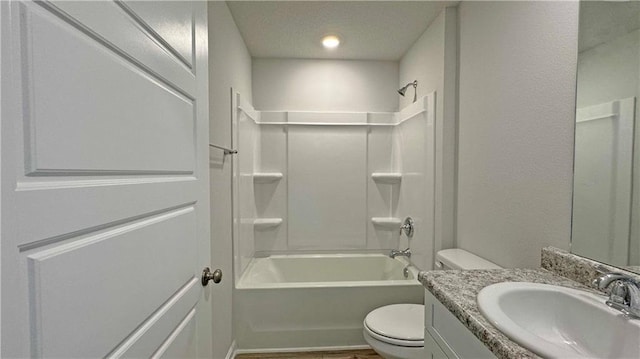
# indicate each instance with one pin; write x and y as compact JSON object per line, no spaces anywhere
{"x":606,"y":197}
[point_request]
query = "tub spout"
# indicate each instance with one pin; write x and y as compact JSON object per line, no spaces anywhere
{"x":403,"y":253}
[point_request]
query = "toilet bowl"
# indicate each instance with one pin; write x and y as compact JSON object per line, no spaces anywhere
{"x":396,"y":331}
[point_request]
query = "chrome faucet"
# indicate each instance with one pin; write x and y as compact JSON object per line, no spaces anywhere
{"x":624,"y":292}
{"x":403,"y":253}
{"x":407,"y":227}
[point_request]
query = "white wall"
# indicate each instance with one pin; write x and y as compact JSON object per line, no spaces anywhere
{"x":229,"y":66}
{"x":424,"y":62}
{"x":516,"y":123}
{"x":325,"y":85}
{"x":432,"y":61}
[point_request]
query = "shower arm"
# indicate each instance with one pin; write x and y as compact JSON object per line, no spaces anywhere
{"x":415,"y":90}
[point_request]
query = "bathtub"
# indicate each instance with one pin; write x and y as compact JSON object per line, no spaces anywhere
{"x":317,"y":301}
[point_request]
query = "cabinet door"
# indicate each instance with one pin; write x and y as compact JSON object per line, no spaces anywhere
{"x":432,"y":349}
{"x":452,"y":336}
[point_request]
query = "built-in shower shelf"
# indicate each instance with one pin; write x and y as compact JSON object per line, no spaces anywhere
{"x":267,"y":177}
{"x":387,"y":177}
{"x":266,"y":223}
{"x":386,"y":222}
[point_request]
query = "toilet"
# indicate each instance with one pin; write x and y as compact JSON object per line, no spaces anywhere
{"x":396,"y":331}
{"x":456,"y":258}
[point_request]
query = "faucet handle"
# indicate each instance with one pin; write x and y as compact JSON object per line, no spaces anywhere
{"x":625,"y":297}
{"x":396,"y":252}
{"x":603,"y":281}
{"x":407,"y":227}
{"x":618,"y":292}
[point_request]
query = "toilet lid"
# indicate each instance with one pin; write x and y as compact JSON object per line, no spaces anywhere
{"x":398,"y":321}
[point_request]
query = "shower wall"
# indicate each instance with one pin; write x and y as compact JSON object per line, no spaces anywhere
{"x":335,"y":182}
{"x":247,"y":142}
{"x":414,"y":140}
{"x":432,"y":60}
{"x":327,"y":185}
{"x":326,"y":197}
{"x":271,"y":196}
{"x":382,"y":196}
{"x":334,"y":213}
{"x":317,"y":175}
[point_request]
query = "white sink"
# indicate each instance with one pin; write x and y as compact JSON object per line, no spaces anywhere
{"x":559,"y":322}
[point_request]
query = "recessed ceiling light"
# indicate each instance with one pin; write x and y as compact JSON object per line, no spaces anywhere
{"x":330,"y":41}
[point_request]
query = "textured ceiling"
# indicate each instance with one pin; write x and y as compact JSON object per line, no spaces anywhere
{"x":370,"y":30}
{"x":601,"y":21}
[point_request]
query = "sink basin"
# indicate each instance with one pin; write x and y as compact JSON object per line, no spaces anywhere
{"x":559,"y":322}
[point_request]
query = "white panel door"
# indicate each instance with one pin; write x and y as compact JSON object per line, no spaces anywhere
{"x":104,"y":202}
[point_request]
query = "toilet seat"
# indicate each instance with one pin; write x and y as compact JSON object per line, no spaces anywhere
{"x":397,"y":324}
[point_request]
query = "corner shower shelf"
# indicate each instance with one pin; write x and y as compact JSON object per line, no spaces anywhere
{"x":266,"y":223}
{"x":390,"y":223}
{"x":267,"y":177}
{"x":387,"y":177}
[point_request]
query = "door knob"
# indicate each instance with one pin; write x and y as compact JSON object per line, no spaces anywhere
{"x":207,"y":275}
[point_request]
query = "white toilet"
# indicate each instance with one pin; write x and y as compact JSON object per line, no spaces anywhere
{"x":396,"y":331}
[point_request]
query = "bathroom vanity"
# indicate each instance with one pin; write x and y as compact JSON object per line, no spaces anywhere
{"x":454,"y":324}
{"x":446,"y":337}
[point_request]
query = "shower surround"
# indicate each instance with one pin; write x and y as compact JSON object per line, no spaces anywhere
{"x":329,"y":182}
{"x":310,"y":186}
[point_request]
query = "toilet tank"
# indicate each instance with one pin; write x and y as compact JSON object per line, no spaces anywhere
{"x":456,"y":258}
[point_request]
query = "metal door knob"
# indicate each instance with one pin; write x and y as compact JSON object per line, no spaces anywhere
{"x":207,"y":275}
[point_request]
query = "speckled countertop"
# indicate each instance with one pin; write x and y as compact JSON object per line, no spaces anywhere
{"x":457,"y":291}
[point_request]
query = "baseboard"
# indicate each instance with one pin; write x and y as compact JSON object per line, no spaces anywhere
{"x":303,"y":349}
{"x":233,"y":350}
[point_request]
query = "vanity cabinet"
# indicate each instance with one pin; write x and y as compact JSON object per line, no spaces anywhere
{"x":432,"y":349}
{"x":446,"y":337}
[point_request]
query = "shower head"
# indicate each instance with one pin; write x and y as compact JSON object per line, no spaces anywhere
{"x":403,"y":90}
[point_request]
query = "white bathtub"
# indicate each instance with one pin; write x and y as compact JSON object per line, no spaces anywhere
{"x":316,"y":301}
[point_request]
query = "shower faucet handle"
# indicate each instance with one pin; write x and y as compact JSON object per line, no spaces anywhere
{"x":407,"y":227}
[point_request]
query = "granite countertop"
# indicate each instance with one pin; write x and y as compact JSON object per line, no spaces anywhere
{"x":457,"y":291}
